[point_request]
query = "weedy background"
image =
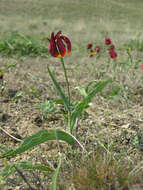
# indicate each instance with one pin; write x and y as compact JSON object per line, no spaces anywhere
{"x":114,"y":126}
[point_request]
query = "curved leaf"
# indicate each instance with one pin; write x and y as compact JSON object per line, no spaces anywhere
{"x":10,"y":169}
{"x":61,"y":93}
{"x":39,"y":138}
{"x":83,"y":104}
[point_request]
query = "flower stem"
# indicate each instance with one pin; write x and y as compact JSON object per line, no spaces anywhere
{"x":67,"y":82}
{"x":68,"y":89}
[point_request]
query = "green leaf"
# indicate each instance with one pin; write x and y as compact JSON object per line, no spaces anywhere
{"x":114,"y":91}
{"x":34,"y":91}
{"x":57,"y":101}
{"x":10,"y":66}
{"x":81,"y":90}
{"x":83,"y":104}
{"x":55,"y":177}
{"x":61,"y":93}
{"x":48,"y":107}
{"x":10,"y":169}
{"x":7,"y":171}
{"x":39,"y":138}
{"x":18,"y":95}
{"x":84,"y":91}
{"x":33,"y":166}
{"x":89,"y":85}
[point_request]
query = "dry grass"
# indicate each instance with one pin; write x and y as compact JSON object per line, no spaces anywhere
{"x":106,"y":171}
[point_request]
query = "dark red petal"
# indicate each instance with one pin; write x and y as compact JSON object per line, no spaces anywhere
{"x":97,"y":49}
{"x":58,"y":34}
{"x":52,"y":47}
{"x":89,"y":46}
{"x":61,"y":47}
{"x":112,"y":47}
{"x":52,"y":36}
{"x":68,"y":43}
{"x":113,"y":54}
{"x":107,"y":41}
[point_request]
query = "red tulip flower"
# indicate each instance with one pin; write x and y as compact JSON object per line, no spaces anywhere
{"x":112,"y":47}
{"x":113,"y":54}
{"x":107,"y":41}
{"x":97,"y":49}
{"x":59,"y":46}
{"x":89,"y":46}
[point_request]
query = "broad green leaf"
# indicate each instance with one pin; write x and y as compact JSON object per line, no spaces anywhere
{"x":55,"y":177}
{"x":61,"y":93}
{"x":83,"y":104}
{"x":8,"y":170}
{"x":39,"y":138}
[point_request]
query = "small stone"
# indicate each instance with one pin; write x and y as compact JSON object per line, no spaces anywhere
{"x":38,"y":121}
{"x":4,"y":117}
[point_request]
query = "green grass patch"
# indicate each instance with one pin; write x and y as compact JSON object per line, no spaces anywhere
{"x":17,"y":44}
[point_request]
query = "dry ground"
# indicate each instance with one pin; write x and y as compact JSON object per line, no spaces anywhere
{"x":116,"y":123}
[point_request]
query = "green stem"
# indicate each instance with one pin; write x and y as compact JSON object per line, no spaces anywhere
{"x":68,"y":89}
{"x":65,"y":73}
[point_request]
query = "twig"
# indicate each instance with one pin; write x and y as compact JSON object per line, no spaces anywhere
{"x":19,"y":140}
{"x":37,"y":181}
{"x":23,"y":177}
{"x":84,"y":150}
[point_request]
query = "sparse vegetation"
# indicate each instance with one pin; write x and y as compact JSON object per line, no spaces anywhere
{"x":80,"y":129}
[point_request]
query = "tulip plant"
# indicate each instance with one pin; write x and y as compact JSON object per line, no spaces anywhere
{"x":59,"y":46}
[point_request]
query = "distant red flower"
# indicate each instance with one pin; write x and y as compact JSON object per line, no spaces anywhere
{"x":97,"y":49}
{"x":107,"y":41}
{"x":113,"y":54}
{"x":141,"y":66}
{"x":89,"y":46}
{"x":59,"y":46}
{"x":112,"y":47}
{"x":1,"y":75}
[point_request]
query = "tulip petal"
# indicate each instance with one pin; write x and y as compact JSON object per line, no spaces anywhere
{"x":67,"y":41}
{"x":89,"y":46}
{"x":52,"y":47}
{"x":113,"y":54}
{"x":58,"y":34}
{"x":107,"y":41}
{"x":61,"y":47}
